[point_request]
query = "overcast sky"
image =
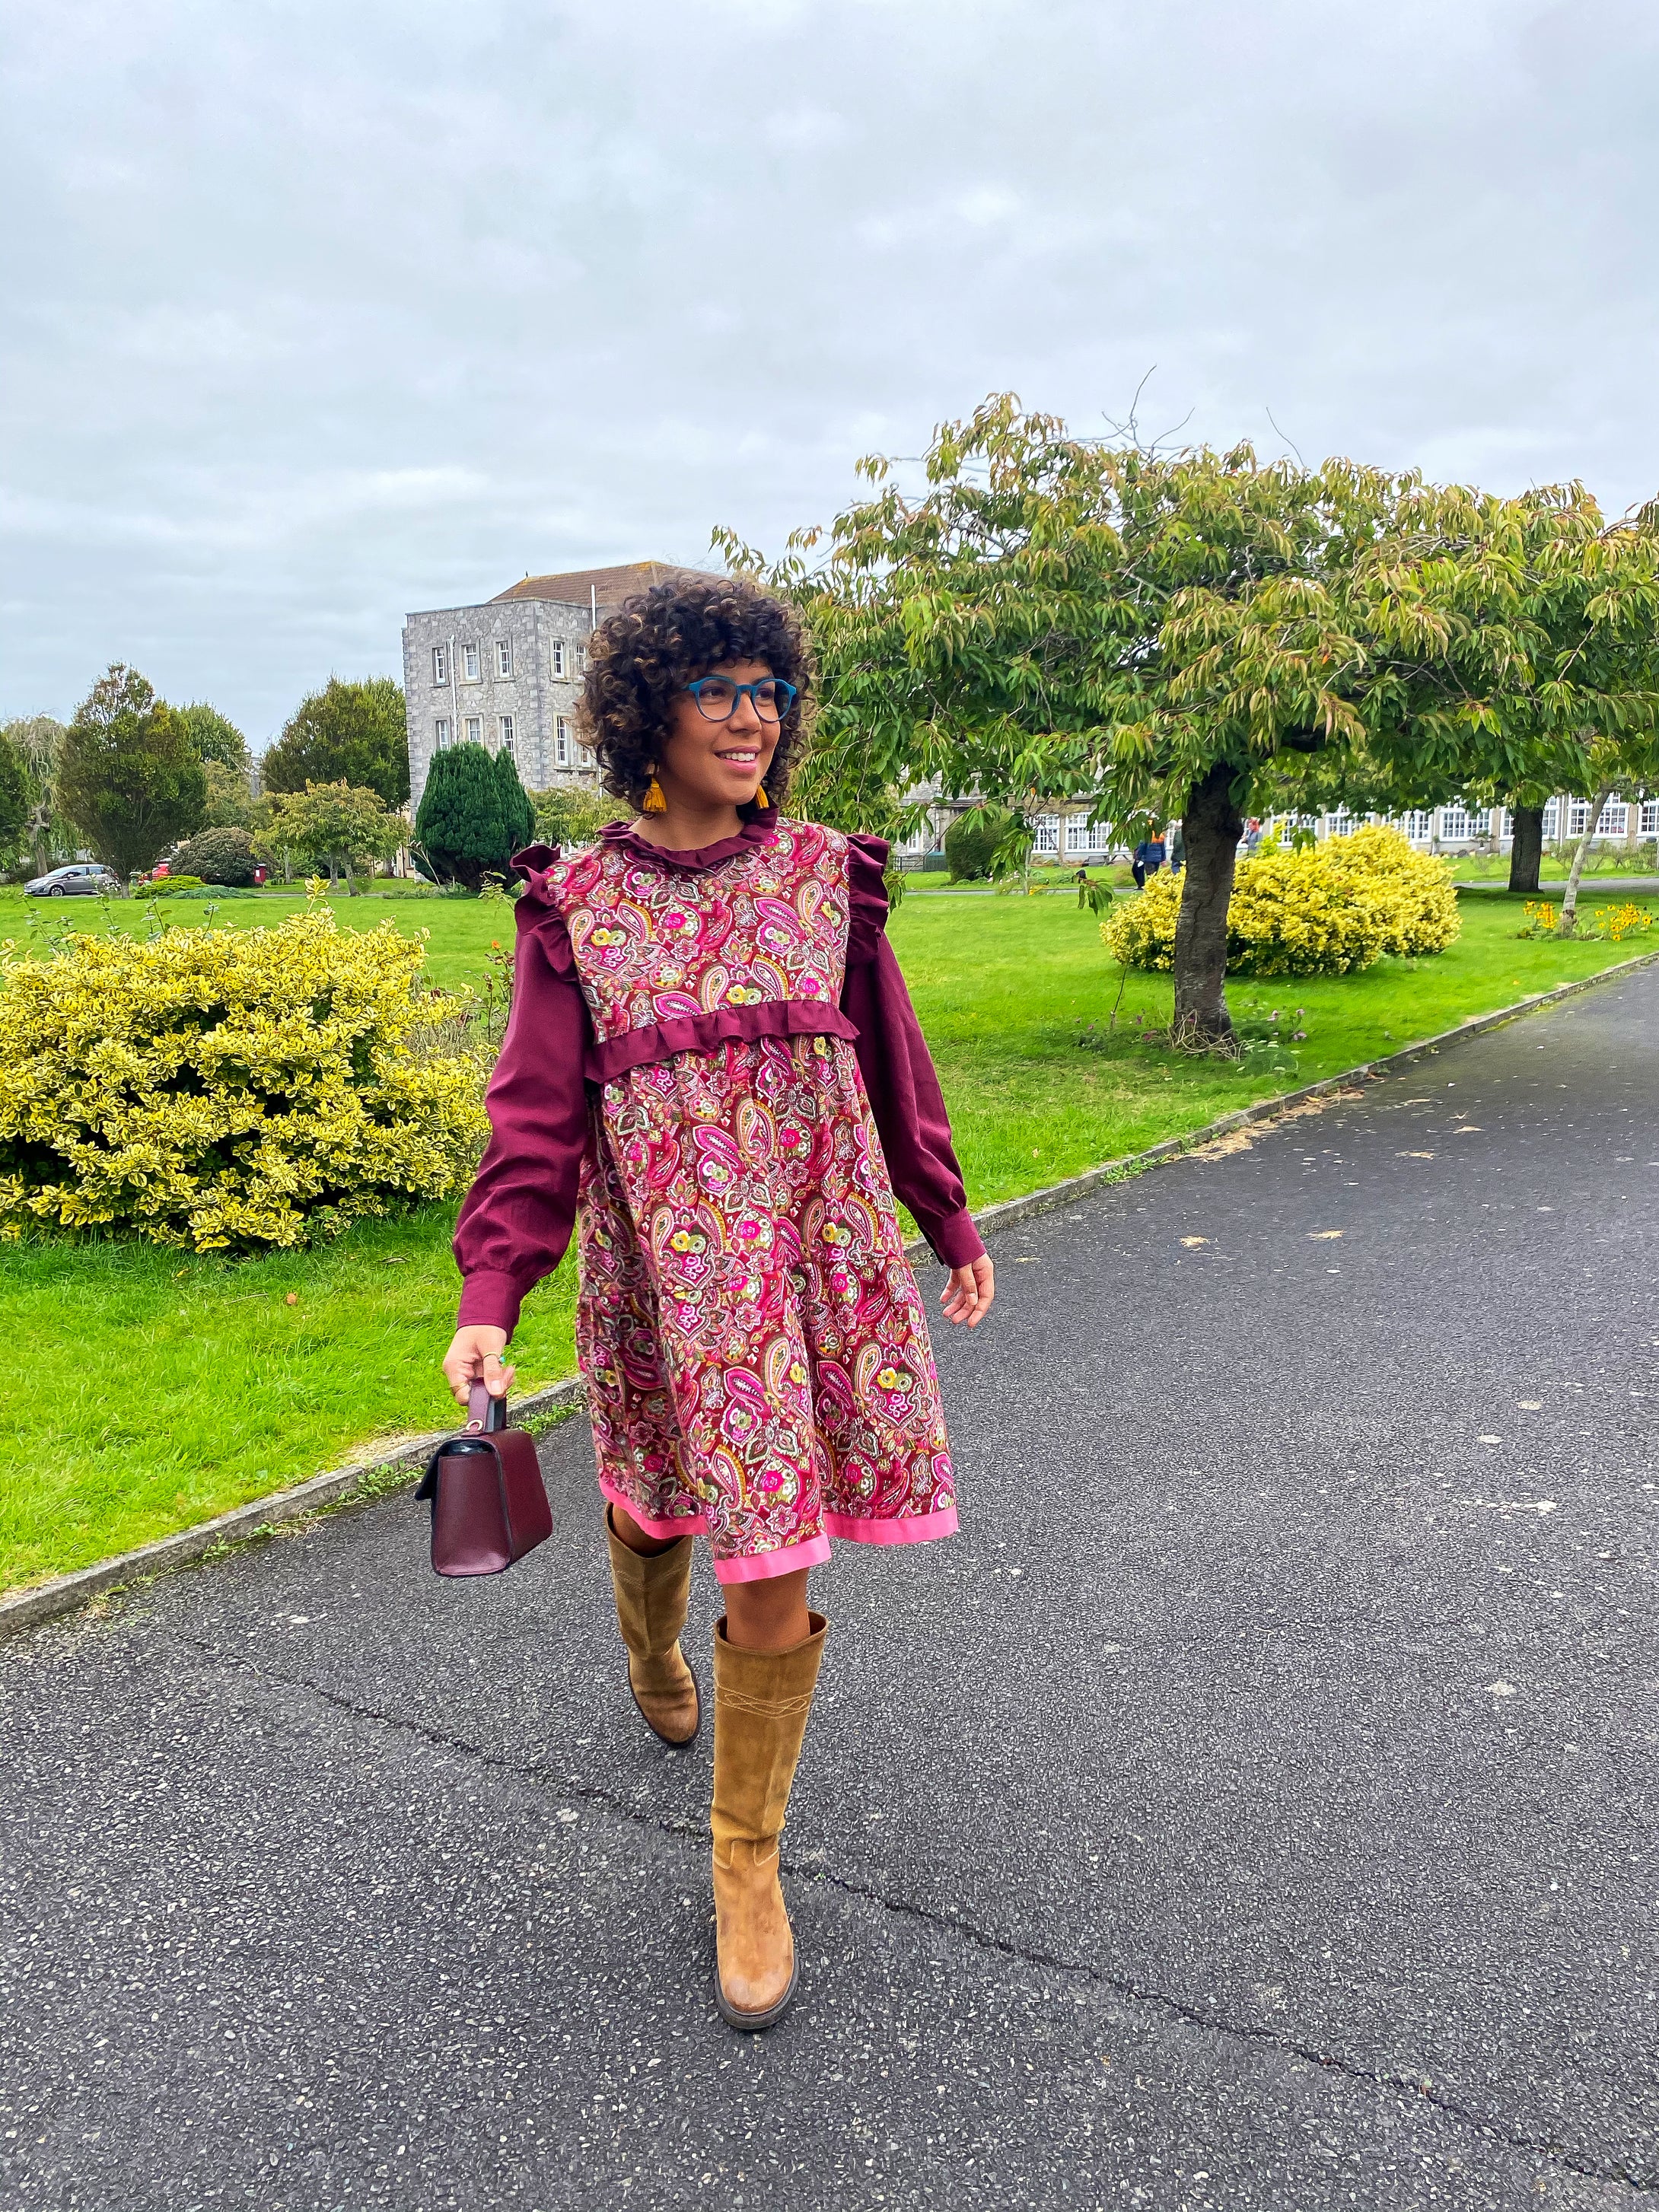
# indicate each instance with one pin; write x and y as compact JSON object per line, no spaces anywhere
{"x":319,"y":313}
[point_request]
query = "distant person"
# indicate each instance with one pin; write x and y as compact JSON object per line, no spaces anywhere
{"x":1177,"y":850}
{"x":1081,"y":879}
{"x":1149,"y":856}
{"x":1252,"y":836}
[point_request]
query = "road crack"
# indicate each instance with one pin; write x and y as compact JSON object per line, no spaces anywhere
{"x":1124,"y":1987}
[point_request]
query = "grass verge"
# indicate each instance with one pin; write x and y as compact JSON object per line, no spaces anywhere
{"x":155,"y":1389}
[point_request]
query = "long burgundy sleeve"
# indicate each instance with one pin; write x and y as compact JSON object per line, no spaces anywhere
{"x":898,"y":1072}
{"x":516,"y":1221}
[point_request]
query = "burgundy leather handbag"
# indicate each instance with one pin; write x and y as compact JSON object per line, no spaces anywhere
{"x":489,"y":1503}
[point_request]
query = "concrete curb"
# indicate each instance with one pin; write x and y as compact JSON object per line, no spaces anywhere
{"x":27,"y":1608}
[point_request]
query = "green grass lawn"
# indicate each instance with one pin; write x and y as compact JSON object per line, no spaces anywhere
{"x":152,"y":1389}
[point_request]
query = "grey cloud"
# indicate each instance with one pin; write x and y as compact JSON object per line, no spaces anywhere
{"x":330,"y":313}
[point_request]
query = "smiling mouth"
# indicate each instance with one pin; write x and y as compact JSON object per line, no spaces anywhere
{"x":746,"y":758}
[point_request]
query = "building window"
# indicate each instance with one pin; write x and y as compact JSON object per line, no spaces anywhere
{"x":469,"y":664}
{"x":560,"y":741}
{"x":506,"y":722}
{"x":441,"y":664}
{"x":578,"y":661}
{"x":1650,"y":817}
{"x":1553,"y":818}
{"x":1459,"y":825}
{"x":474,"y":729}
{"x":440,"y":733}
{"x":1083,"y":836}
{"x":1419,"y":825}
{"x":1342,"y":824}
{"x":558,"y":657}
{"x":584,"y":756}
{"x":1615,"y":818}
{"x":1048,"y":833}
{"x":503,"y":656}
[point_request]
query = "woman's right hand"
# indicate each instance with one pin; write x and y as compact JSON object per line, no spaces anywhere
{"x":476,"y":1354}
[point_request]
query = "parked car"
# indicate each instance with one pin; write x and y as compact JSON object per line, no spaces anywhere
{"x":80,"y":878}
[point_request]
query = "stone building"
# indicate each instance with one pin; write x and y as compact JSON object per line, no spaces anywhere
{"x":507,"y":675}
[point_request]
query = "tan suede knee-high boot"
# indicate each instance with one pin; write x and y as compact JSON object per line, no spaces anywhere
{"x":762,"y":1699}
{"x":651,"y":1589}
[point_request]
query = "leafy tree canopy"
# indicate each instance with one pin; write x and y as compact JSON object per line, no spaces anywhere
{"x":336,"y":825}
{"x":574,"y":814}
{"x":129,"y":778}
{"x":354,"y":733}
{"x":214,"y":737}
{"x":1189,"y":632}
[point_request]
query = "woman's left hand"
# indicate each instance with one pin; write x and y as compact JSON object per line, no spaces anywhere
{"x":969,"y":1293}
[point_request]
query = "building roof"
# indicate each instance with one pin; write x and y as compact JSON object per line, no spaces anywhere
{"x":580,"y":587}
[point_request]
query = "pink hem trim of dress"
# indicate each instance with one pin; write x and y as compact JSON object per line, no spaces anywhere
{"x":901,"y":1529}
{"x":696,"y":1525}
{"x":788,"y":1561}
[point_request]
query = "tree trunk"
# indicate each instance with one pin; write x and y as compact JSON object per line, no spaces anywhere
{"x":1212,"y":826}
{"x":351,"y":880}
{"x":1526,"y":847}
{"x":1570,"y":904}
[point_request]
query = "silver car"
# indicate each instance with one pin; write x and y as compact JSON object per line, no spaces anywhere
{"x":81,"y":880}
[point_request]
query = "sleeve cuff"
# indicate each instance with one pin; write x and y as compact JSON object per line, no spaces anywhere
{"x":955,"y":1240}
{"x":490,"y":1298}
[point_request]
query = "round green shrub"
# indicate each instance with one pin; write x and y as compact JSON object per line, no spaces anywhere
{"x":217,"y":856}
{"x":971,"y":841}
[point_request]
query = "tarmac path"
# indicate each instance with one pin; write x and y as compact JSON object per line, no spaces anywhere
{"x":1255,"y":1807}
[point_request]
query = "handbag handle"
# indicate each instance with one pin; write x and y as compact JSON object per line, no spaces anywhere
{"x":485,"y":1412}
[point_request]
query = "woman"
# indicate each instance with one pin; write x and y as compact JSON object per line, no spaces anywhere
{"x":712,"y":1068}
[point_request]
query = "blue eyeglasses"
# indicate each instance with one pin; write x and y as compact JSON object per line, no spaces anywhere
{"x":717,"y":697}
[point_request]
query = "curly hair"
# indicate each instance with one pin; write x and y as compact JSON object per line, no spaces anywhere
{"x":642,"y":657}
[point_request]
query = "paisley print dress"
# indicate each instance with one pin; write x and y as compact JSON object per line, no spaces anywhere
{"x":748,"y":1325}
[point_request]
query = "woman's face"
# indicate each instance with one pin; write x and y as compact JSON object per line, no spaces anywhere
{"x":706,"y":763}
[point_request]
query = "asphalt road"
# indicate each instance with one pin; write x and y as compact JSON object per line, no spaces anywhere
{"x":1255,"y":1807}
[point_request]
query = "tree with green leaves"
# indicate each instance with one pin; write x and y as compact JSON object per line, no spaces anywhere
{"x":1052,"y":617}
{"x":463,"y":826}
{"x":129,"y":777}
{"x":216,"y":737}
{"x":574,"y":813}
{"x":339,"y":827}
{"x":38,"y":739}
{"x":354,"y":733}
{"x":17,"y":801}
{"x":1185,"y":633}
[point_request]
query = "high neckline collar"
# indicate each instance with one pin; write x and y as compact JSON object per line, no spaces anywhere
{"x":759,"y":832}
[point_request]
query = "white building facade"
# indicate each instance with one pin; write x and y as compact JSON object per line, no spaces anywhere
{"x":507,"y":675}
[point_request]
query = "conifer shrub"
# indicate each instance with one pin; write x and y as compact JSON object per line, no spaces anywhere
{"x":517,"y":815}
{"x":463,"y":825}
{"x":231,"y":1090}
{"x":1331,"y":910}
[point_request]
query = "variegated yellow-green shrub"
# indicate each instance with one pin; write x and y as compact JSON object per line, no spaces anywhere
{"x":239,"y":1089}
{"x":1328,"y":911}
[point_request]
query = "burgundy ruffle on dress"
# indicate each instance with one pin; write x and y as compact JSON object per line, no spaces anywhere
{"x":714,"y":1067}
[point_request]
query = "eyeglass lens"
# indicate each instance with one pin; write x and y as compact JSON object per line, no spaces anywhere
{"x":716,"y":698}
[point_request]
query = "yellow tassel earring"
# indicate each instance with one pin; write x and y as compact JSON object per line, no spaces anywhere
{"x":761,"y":799}
{"x":654,"y":802}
